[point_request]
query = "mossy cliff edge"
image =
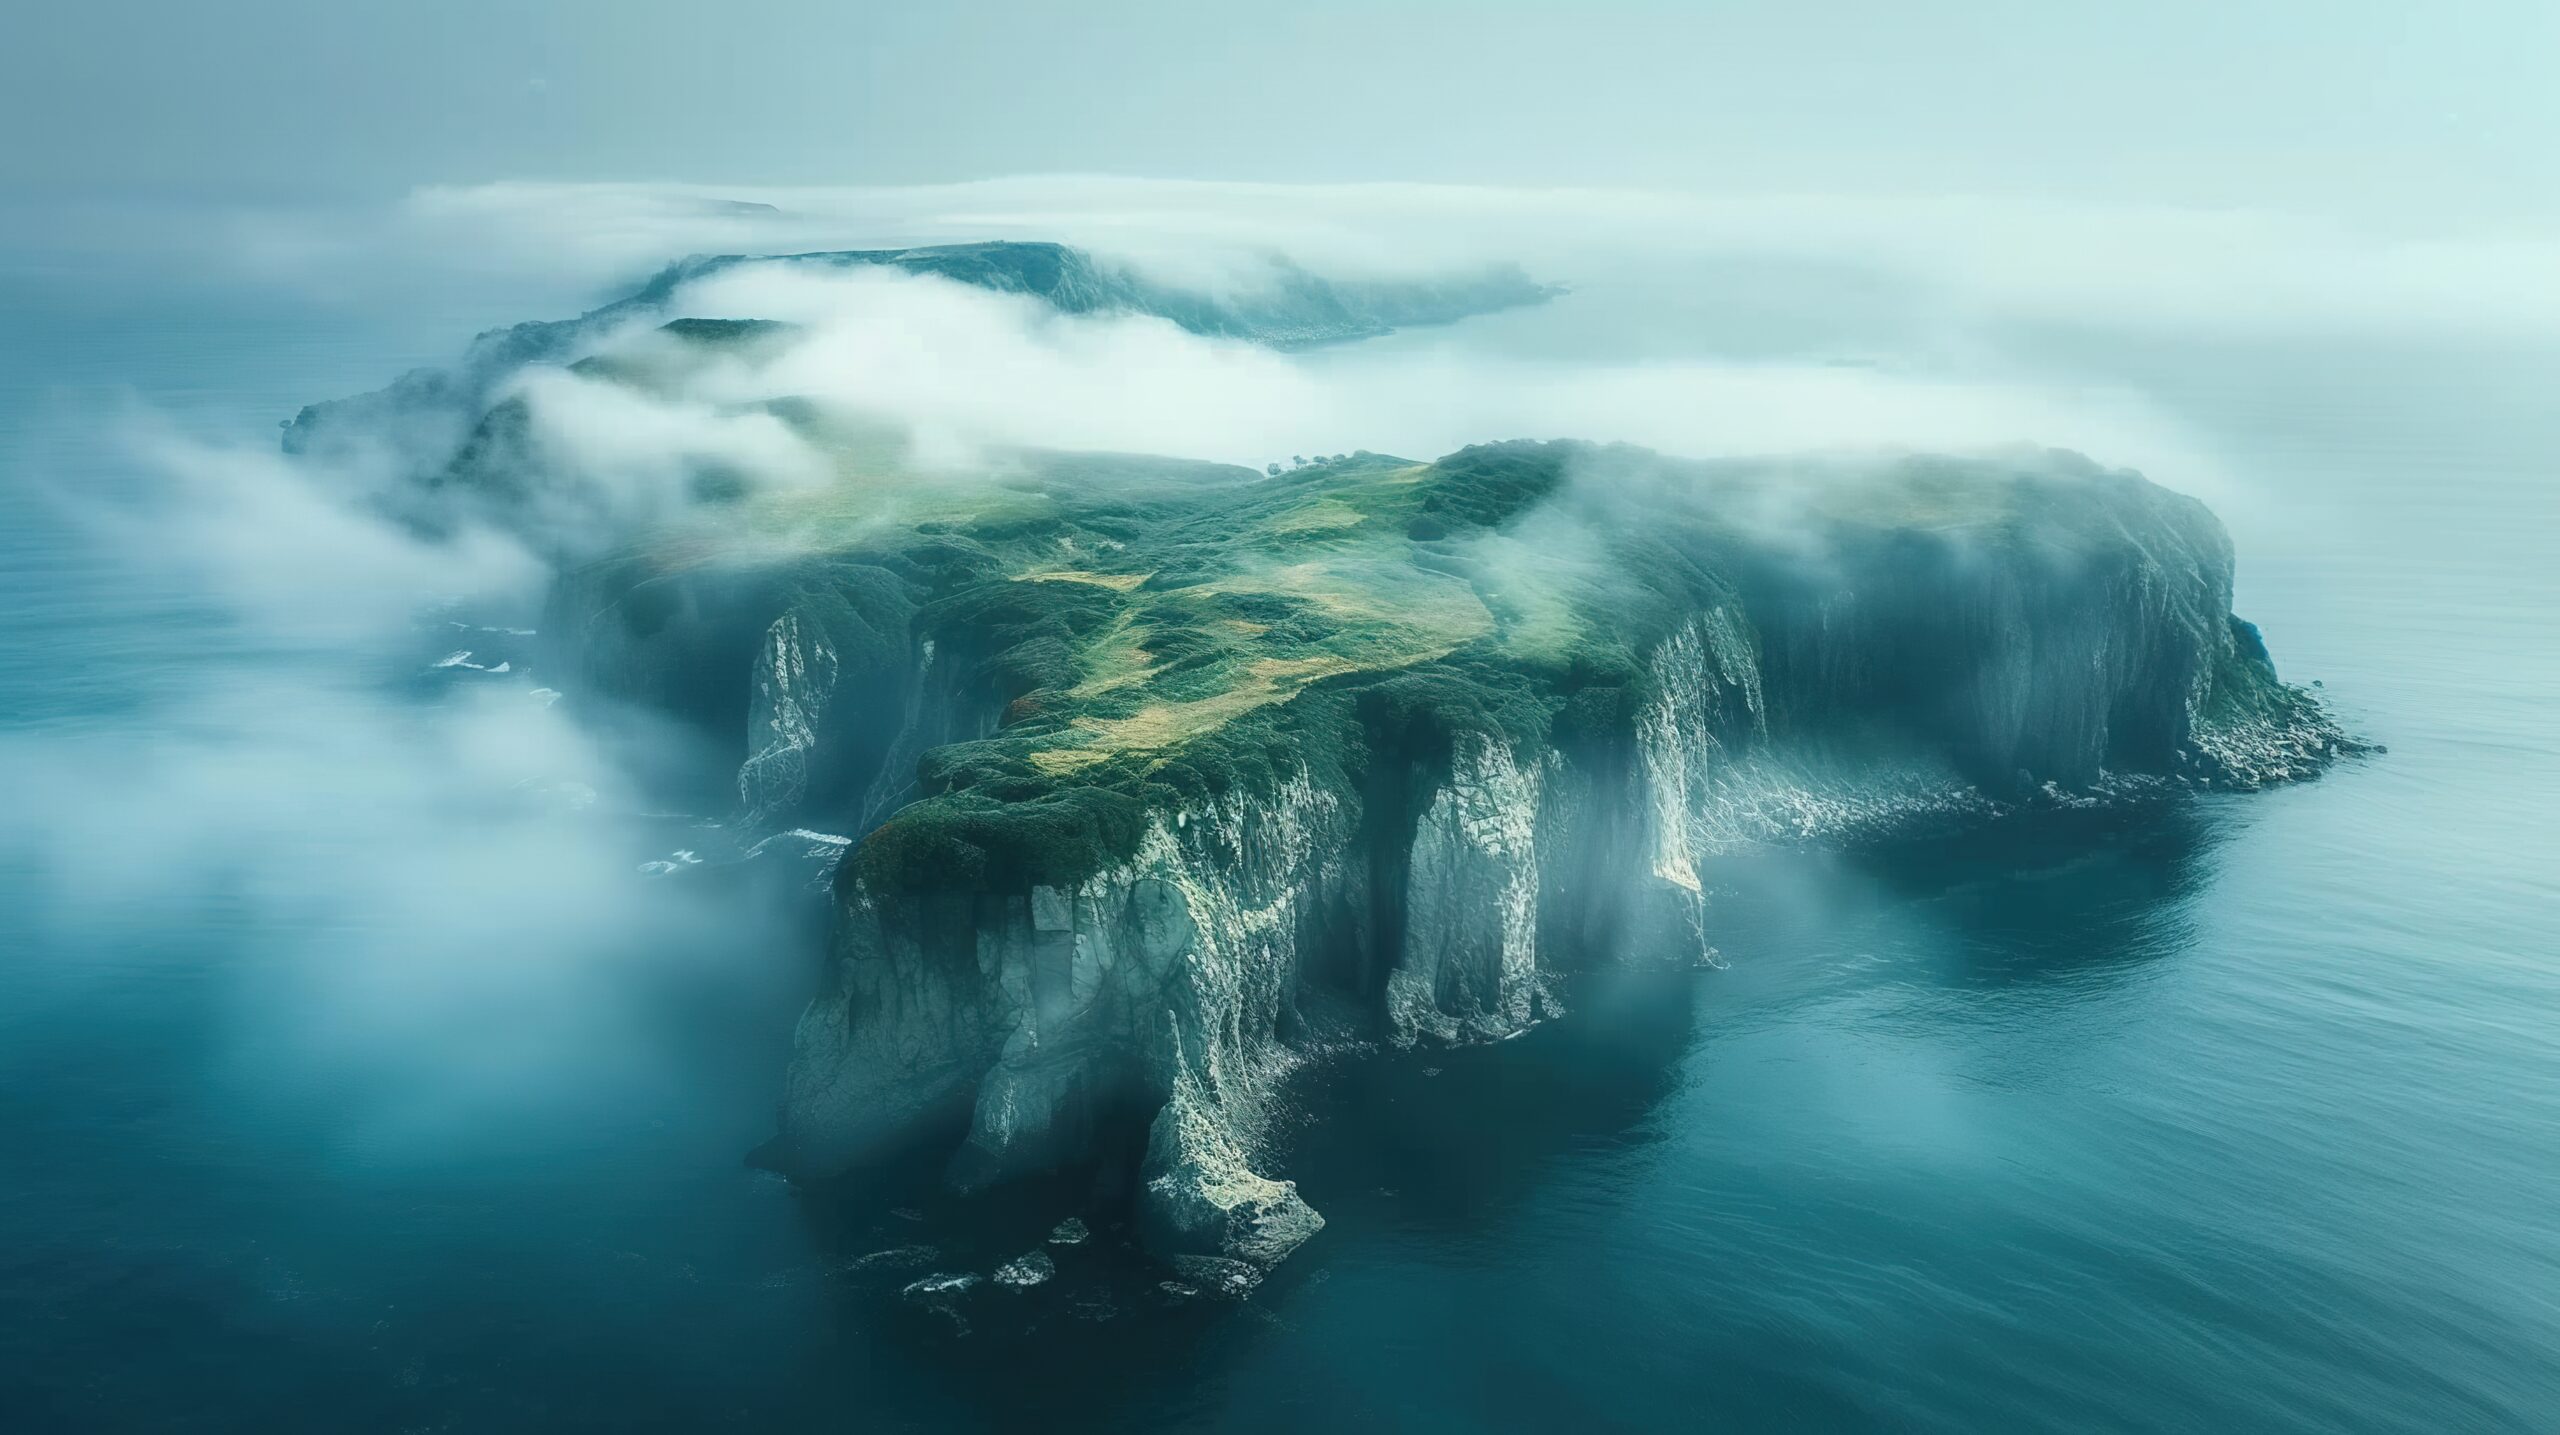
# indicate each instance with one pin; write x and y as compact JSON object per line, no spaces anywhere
{"x":1167,"y":774}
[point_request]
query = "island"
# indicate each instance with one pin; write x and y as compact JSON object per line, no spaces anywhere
{"x":1164,"y":775}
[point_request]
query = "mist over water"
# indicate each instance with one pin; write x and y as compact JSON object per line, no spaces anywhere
{"x":355,"y":1074}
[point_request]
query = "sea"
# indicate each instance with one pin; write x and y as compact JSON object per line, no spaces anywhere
{"x":338,"y":1094}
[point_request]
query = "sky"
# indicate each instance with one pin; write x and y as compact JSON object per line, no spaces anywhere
{"x":2397,"y":113}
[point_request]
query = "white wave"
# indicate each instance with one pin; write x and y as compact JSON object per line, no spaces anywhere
{"x":683,"y":858}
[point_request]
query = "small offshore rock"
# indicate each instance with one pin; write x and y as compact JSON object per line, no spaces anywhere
{"x":1069,"y":1232}
{"x":896,"y":1258}
{"x":1219,"y":1275}
{"x":1023,"y":1272}
{"x":940,"y":1286}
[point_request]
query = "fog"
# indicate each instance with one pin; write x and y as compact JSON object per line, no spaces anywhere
{"x":420,"y":876}
{"x":468,"y":907}
{"x":963,"y":374}
{"x":1780,"y":233}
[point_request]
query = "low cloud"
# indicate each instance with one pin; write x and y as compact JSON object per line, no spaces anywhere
{"x":415,"y":884}
{"x":967,"y":369}
{"x":1989,"y":260}
{"x":608,"y":457}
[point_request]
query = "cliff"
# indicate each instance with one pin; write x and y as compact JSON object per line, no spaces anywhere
{"x":1172,"y":775}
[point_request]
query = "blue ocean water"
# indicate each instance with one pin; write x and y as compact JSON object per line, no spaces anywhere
{"x":2237,"y":1114}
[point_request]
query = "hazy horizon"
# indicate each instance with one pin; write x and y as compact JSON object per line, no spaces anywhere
{"x":2382,"y":116}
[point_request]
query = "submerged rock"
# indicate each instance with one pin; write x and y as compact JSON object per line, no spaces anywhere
{"x":1218,"y":1276}
{"x":940,"y":1287}
{"x":895,"y":1258}
{"x":1025,"y":1271}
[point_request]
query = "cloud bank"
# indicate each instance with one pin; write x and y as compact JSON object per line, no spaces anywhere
{"x":966,"y":367}
{"x":1986,"y":259}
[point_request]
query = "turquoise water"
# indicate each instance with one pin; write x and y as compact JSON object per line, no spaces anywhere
{"x":2241,"y":1114}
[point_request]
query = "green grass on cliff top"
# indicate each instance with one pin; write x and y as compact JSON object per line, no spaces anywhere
{"x":1190,"y":595}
